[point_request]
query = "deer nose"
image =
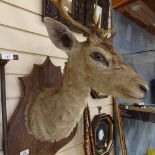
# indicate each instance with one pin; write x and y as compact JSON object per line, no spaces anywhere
{"x":143,"y":89}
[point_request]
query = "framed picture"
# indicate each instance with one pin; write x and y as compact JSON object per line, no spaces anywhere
{"x":103,"y":134}
{"x":79,"y":10}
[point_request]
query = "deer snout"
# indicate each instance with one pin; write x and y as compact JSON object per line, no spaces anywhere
{"x":143,"y":89}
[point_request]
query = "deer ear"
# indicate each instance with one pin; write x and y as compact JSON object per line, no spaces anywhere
{"x":59,"y":34}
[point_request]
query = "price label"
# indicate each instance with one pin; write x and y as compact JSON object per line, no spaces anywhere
{"x":7,"y":56}
{"x":25,"y":152}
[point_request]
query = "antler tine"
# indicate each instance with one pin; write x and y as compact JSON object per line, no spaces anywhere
{"x":94,"y":14}
{"x":68,"y":18}
{"x":113,"y":33}
{"x":106,"y":32}
{"x":96,"y":26}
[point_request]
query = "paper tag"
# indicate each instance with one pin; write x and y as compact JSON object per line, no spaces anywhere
{"x":7,"y":56}
{"x":25,"y":152}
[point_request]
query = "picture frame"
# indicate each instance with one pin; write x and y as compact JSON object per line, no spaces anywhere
{"x":103,"y":133}
{"x":81,"y":11}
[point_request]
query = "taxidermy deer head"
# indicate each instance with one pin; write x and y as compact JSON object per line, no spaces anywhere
{"x":52,"y":114}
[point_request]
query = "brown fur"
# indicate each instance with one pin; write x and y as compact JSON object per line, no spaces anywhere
{"x":51,"y":116}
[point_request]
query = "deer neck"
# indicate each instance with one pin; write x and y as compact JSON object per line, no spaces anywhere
{"x":74,"y":83}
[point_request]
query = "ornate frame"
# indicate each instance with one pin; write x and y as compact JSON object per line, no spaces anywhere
{"x":93,"y":145}
{"x":96,"y":122}
{"x":82,"y":11}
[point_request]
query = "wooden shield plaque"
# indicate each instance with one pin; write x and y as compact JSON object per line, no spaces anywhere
{"x":19,"y":140}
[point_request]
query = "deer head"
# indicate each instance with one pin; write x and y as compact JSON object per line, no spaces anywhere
{"x":101,"y":67}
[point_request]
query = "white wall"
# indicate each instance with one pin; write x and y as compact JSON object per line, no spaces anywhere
{"x":22,"y":32}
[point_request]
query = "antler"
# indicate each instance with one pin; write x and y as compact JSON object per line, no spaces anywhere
{"x":107,"y":34}
{"x":69,"y":19}
{"x":95,"y":21}
{"x":94,"y":14}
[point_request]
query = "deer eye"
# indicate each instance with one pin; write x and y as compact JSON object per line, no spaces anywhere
{"x":99,"y":57}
